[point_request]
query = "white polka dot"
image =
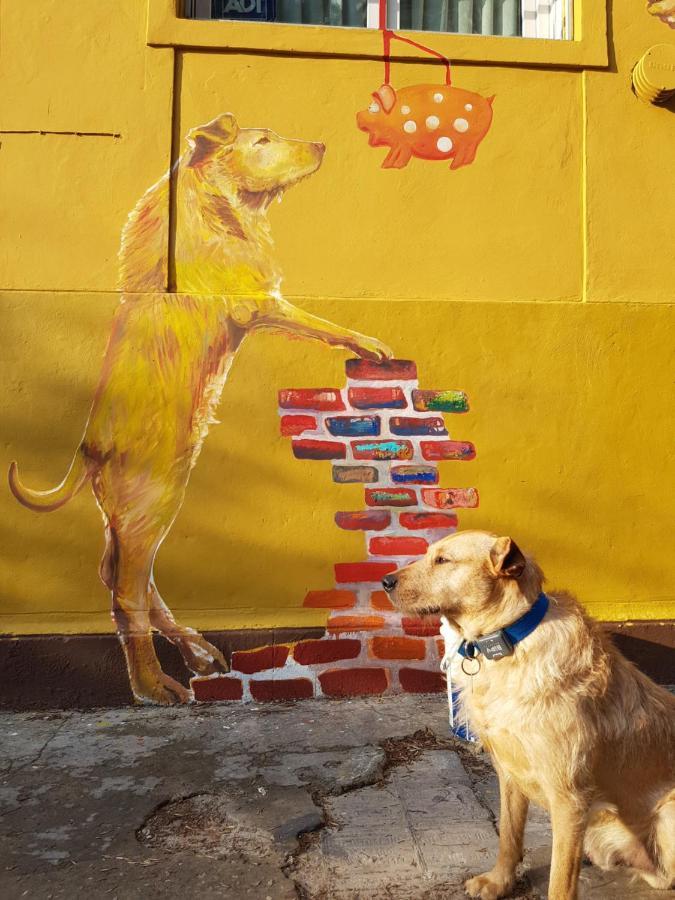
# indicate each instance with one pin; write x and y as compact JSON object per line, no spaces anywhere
{"x":444,"y":144}
{"x":405,"y":110}
{"x":438,"y":98}
{"x":468,"y":107}
{"x":409,"y":126}
{"x":433,"y":122}
{"x":460,"y":125}
{"x":374,"y":108}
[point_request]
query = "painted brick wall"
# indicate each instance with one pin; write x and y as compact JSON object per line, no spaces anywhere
{"x":382,"y":431}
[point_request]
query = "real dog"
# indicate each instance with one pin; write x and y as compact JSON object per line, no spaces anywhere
{"x":569,"y":723}
{"x":167,"y":361}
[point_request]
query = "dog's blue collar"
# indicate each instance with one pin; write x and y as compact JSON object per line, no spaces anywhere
{"x":501,"y":643}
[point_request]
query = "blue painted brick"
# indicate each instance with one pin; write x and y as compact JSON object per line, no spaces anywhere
{"x":414,"y":475}
{"x":353,"y":426}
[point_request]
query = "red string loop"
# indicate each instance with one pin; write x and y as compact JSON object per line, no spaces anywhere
{"x":388,"y":36}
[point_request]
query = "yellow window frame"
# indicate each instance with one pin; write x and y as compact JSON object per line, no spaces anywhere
{"x":588,"y":49}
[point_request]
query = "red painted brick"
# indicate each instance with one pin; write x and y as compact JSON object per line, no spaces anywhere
{"x":330,"y":599}
{"x":428,"y":627}
{"x":221,"y":688}
{"x":397,"y":648}
{"x":414,"y":521}
{"x":380,"y":600}
{"x":409,"y":425}
{"x":348,"y":573}
{"x":293,"y":425}
{"x":282,"y":689}
{"x":397,"y":546}
{"x":309,"y":653}
{"x":433,"y":450}
{"x":250,"y":661}
{"x":440,"y":647}
{"x":449,"y":498}
{"x":420,"y":681}
{"x":387,"y":370}
{"x":311,"y":398}
{"x":308,"y":449}
{"x":369,"y":520}
{"x":353,"y":682}
{"x":398,"y":496}
{"x":377,"y":398}
{"x":354,"y":623}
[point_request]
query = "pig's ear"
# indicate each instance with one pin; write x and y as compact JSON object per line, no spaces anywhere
{"x":205,"y":140}
{"x":386,"y":97}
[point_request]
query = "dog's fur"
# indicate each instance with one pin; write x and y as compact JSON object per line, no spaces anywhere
{"x":570,"y":724}
{"x":167,"y":361}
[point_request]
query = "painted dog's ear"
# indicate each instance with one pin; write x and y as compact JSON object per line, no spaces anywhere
{"x":205,"y":140}
{"x":506,"y":558}
{"x":386,"y":97}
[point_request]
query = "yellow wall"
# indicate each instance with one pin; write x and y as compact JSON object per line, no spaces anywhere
{"x":539,"y":279}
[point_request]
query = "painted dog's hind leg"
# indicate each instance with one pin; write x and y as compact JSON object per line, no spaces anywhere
{"x":128,"y":576}
{"x":200,"y":656}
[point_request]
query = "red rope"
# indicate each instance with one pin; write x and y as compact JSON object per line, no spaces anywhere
{"x":388,"y":36}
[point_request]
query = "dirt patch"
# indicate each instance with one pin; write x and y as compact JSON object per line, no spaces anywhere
{"x":405,"y":750}
{"x":202,"y":824}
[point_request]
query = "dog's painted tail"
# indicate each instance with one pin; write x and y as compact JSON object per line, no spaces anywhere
{"x":45,"y":501}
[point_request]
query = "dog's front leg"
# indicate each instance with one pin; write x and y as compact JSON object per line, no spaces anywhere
{"x":569,"y":824}
{"x":283,"y":316}
{"x":500,"y":880}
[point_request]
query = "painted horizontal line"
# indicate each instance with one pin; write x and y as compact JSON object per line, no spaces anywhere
{"x":111,"y":134}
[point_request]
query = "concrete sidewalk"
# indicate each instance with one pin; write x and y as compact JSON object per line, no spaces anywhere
{"x":360,"y":799}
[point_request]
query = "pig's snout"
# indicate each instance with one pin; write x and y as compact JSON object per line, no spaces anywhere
{"x":361,"y":120}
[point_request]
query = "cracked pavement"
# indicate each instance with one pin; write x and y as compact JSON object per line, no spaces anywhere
{"x":361,"y":799}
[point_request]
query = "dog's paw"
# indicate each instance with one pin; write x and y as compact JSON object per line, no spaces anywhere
{"x":487,"y":887}
{"x":371,"y":348}
{"x":200,"y":656}
{"x":162,"y":691}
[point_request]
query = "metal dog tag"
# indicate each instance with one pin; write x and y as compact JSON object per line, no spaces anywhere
{"x":495,"y":645}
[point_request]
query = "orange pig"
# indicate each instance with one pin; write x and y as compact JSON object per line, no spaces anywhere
{"x":430,"y":121}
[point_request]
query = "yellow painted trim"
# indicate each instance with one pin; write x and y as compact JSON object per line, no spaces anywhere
{"x":588,"y":49}
{"x":202,"y":619}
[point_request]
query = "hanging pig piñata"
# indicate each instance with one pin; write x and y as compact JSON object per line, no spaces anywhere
{"x":429,"y":121}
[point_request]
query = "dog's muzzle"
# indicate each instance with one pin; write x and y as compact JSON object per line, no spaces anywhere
{"x":389,"y":583}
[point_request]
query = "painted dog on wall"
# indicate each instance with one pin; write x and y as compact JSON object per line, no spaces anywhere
{"x":167,"y":361}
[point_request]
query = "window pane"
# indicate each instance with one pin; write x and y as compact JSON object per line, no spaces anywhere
{"x":528,"y":18}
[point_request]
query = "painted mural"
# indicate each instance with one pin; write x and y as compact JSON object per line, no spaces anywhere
{"x":427,"y":121}
{"x":167,"y":361}
{"x":385,"y":433}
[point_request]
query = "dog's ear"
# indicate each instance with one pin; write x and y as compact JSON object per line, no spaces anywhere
{"x":386,"y":97}
{"x":507,"y":558}
{"x":205,"y":140}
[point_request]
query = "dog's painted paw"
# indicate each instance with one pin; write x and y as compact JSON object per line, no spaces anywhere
{"x":371,"y":348}
{"x":200,"y":656}
{"x":488,"y":887}
{"x":164,"y":691}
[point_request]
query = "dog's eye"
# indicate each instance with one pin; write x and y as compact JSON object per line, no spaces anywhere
{"x":440,"y":560}
{"x":262,"y":140}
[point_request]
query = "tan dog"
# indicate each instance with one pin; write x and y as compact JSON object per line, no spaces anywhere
{"x":569,"y":723}
{"x":167,"y":361}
